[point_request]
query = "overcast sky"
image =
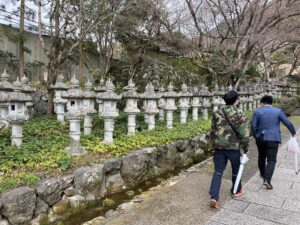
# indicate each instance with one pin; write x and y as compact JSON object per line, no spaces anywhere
{"x":9,"y":14}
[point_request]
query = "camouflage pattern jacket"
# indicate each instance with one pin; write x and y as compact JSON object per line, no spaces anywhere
{"x":223,"y":136}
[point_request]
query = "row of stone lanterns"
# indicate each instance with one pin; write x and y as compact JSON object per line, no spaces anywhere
{"x":80,"y":104}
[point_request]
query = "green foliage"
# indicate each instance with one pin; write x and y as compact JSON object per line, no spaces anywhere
{"x":64,"y":162}
{"x":287,"y":103}
{"x":42,"y":152}
{"x":161,"y":135}
{"x":13,"y":180}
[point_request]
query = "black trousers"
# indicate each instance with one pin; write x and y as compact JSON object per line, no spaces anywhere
{"x":267,"y":156}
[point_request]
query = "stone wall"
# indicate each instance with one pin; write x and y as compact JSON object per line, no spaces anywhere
{"x":53,"y":196}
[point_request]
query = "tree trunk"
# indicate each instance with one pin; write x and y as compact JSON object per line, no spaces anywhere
{"x":21,"y":39}
{"x":81,"y":57}
{"x":80,"y":66}
{"x":52,"y":74}
{"x":50,"y":106}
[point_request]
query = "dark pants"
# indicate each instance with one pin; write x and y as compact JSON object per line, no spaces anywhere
{"x":220,"y":160}
{"x":267,"y":151}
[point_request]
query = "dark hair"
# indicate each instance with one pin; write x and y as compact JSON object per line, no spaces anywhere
{"x":267,"y":99}
{"x":230,"y":97}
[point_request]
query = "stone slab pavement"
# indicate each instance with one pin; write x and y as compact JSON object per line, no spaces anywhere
{"x":183,"y":199}
{"x":261,"y":206}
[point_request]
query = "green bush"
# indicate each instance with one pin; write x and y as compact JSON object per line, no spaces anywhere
{"x":42,"y":152}
{"x":287,"y":104}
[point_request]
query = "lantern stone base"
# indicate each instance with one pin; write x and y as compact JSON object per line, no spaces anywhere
{"x":17,"y":133}
{"x":108,"y":130}
{"x":151,"y":121}
{"x":195,"y":113}
{"x":60,"y":113}
{"x":131,"y":124}
{"x":169,"y":119}
{"x":88,"y":124}
{"x":183,"y":115}
{"x":76,"y":150}
{"x":205,"y":113}
{"x":161,"y":115}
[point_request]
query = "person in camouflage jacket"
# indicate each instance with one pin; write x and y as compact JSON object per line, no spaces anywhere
{"x":229,"y":136}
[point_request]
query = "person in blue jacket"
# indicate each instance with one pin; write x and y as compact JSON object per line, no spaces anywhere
{"x":265,"y":126}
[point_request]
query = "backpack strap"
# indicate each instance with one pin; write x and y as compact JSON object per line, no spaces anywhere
{"x":230,"y":124}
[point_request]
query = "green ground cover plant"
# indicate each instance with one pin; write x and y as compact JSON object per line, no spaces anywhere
{"x":42,"y":152}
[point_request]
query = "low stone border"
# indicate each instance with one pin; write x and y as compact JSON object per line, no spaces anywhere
{"x":52,"y":197}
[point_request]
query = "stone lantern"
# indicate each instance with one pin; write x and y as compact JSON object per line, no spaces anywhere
{"x":255,"y":96}
{"x":294,"y":89}
{"x":170,"y":107}
{"x":216,"y":101}
{"x":59,"y":103}
{"x":221,"y":94}
{"x":184,"y":103}
{"x":151,"y":106}
{"x":242,"y":94}
{"x":131,"y":109}
{"x":75,"y":112}
{"x":279,"y":88}
{"x":5,"y":88}
{"x":109,"y":110}
{"x":145,"y":105}
{"x":251,"y":92}
{"x":89,"y":107}
{"x":27,"y":89}
{"x":100,"y":89}
{"x":161,"y":105}
{"x":3,"y":109}
{"x":195,"y":104}
{"x":205,"y":95}
{"x":17,"y":112}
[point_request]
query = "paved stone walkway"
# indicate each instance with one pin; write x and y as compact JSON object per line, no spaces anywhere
{"x":183,"y":199}
{"x":266,"y":207}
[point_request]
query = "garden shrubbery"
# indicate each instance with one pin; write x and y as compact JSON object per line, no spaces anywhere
{"x":42,"y":152}
{"x":287,"y":104}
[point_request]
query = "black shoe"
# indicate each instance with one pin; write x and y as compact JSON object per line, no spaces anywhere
{"x":268,"y":184}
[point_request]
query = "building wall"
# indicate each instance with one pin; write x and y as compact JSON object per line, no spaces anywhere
{"x":32,"y":43}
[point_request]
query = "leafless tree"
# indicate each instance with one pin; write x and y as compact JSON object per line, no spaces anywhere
{"x":69,"y":26}
{"x":236,"y":31}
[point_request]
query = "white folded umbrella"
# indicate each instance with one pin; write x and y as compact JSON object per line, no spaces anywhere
{"x":296,"y":163}
{"x":244,"y":159}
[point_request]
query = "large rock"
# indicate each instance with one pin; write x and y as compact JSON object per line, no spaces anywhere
{"x":114,"y":183}
{"x":3,"y":222}
{"x":134,"y":167}
{"x":153,"y":169}
{"x":89,"y":181}
{"x":185,"y":159}
{"x":40,"y":207}
{"x":112,"y":166}
{"x":182,"y":145}
{"x":39,"y":103}
{"x":203,"y":142}
{"x":96,"y":221}
{"x":18,"y":205}
{"x":167,"y":157}
{"x":77,"y":201}
{"x":61,"y":207}
{"x":51,"y":190}
{"x":40,"y":108}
